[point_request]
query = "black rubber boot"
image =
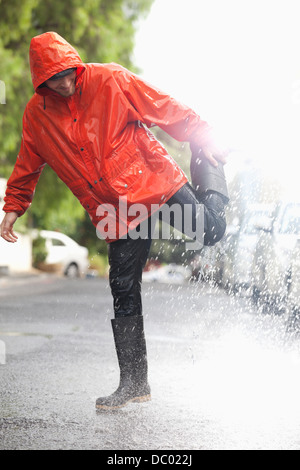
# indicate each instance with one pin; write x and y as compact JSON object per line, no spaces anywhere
{"x":208,"y":179}
{"x":130,"y":345}
{"x":210,"y":185}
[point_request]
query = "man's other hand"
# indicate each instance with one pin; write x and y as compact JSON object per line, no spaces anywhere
{"x":6,"y":227}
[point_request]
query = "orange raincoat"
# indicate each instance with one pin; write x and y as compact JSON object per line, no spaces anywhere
{"x":97,"y":140}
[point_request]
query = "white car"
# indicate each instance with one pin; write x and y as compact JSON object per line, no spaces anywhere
{"x":66,"y":253}
{"x":274,"y":254}
{"x":239,"y":247}
{"x":170,"y":274}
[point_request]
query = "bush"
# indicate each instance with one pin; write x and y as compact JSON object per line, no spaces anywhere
{"x":39,"y":251}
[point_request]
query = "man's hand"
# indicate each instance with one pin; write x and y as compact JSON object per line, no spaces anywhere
{"x":6,"y":227}
{"x":212,"y":149}
{"x":214,"y":154}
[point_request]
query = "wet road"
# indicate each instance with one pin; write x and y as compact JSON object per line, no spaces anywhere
{"x":223,"y":376}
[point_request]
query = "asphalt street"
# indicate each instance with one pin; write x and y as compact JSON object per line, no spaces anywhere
{"x":223,"y":375}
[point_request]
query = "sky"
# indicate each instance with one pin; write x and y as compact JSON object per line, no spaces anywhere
{"x":237,"y":64}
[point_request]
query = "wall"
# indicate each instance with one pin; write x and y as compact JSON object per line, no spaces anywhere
{"x":14,"y":257}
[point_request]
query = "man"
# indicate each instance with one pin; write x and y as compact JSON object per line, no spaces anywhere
{"x":90,"y":123}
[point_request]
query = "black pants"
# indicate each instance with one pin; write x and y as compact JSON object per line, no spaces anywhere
{"x":128,"y":256}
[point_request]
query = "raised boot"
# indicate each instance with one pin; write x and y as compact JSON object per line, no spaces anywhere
{"x":130,"y":345}
{"x":208,"y":179}
{"x":210,"y":185}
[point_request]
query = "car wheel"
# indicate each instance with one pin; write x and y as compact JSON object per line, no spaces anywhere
{"x":72,"y":271}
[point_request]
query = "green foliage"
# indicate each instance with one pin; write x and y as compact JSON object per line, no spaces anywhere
{"x":39,"y":251}
{"x":180,"y":151}
{"x":101,"y":31}
{"x":171,"y":251}
{"x":99,"y":263}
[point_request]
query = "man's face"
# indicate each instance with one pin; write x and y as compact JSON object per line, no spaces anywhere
{"x":64,"y":86}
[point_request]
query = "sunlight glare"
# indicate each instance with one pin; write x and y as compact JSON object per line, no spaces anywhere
{"x":235,"y":64}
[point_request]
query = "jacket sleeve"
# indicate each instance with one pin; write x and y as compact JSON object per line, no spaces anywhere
{"x":22,"y":182}
{"x":158,"y":108}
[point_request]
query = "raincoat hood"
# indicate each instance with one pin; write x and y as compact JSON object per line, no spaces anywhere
{"x":49,"y":54}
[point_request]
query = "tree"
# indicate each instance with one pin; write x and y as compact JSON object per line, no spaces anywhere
{"x":101,"y":31}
